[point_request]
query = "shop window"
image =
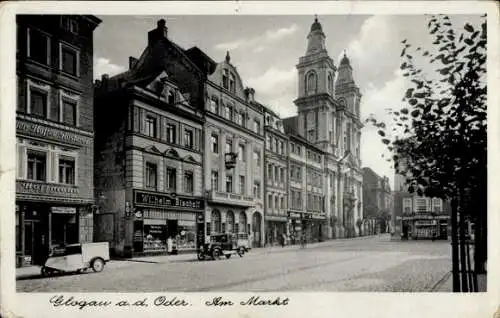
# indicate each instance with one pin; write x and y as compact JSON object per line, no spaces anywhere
{"x":151,"y":126}
{"x":407,"y":206}
{"x":171,"y":133}
{"x":188,"y":182}
{"x":188,"y":138}
{"x":242,"y":185}
{"x":230,"y":222}
{"x":151,"y":175}
{"x":437,"y":205}
{"x":215,"y":143}
{"x":69,"y":111}
{"x":229,"y":184}
{"x":37,"y":162}
{"x":67,"y":171}
{"x":69,"y":56}
{"x":215,"y":180}
{"x":155,"y":237}
{"x":171,"y":178}
{"x":38,"y":47}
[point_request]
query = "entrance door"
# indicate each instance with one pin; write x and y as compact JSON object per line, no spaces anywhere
{"x":172,"y":228}
{"x":257,"y":219}
{"x":35,"y":241}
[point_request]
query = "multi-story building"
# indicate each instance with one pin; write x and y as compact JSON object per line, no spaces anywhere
{"x":377,"y":202}
{"x":306,"y":210}
{"x":418,"y":217}
{"x":149,"y":149}
{"x":329,"y":117}
{"x":276,"y":178}
{"x":54,"y":133}
{"x":233,"y":130}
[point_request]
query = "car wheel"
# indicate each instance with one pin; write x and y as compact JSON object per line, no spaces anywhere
{"x":241,"y":251}
{"x":98,"y":265}
{"x":216,"y":254}
{"x":44,"y":271}
{"x":201,"y":256}
{"x":228,"y":256}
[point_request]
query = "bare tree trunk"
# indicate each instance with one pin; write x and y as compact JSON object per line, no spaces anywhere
{"x":454,"y":246}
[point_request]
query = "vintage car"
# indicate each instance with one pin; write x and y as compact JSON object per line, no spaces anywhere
{"x":220,"y":245}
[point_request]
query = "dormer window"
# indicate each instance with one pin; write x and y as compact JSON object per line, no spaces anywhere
{"x":232,"y":83}
{"x":70,"y":24}
{"x":225,"y":79}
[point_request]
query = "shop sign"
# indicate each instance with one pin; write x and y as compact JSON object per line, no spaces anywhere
{"x":294,"y":215}
{"x":44,"y":188}
{"x":63,"y":210}
{"x":38,"y":130}
{"x":167,"y":201}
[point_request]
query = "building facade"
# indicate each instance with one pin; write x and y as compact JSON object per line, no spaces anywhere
{"x":276,"y":178}
{"x":233,"y":130}
{"x":54,"y":133}
{"x":329,"y":117}
{"x":377,"y":203}
{"x":149,"y":150}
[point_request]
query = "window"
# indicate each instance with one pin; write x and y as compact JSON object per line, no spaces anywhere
{"x":232,"y":83}
{"x":437,"y":205}
{"x":216,"y":222}
{"x":188,"y":182}
{"x":311,"y":83}
{"x":188,"y":138}
{"x":270,"y":172}
{"x":38,"y":102}
{"x":38,"y":47}
{"x":67,"y":171}
{"x":68,"y":60}
{"x":215,"y":180}
{"x":228,"y":112}
{"x":225,"y":79}
{"x":171,"y":133}
{"x":171,"y":98}
{"x":70,"y":24}
{"x":282,"y":148}
{"x":241,"y":152}
{"x":69,"y":112}
{"x":276,"y":203}
{"x":270,"y":201}
{"x":420,"y":205}
{"x":283,"y":202}
{"x":330,"y":83}
{"x":292,"y":148}
{"x":268,"y":142}
{"x":229,"y":184}
{"x":276,"y":173}
{"x":36,"y":165}
{"x":151,"y":126}
{"x":242,"y":185}
{"x":256,"y":126}
{"x":215,"y":143}
{"x":311,"y":135}
{"x":239,"y":118}
{"x":229,"y":145}
{"x":256,"y":189}
{"x":256,"y":158}
{"x":150,"y":175}
{"x":171,"y":178}
{"x":276,"y":148}
{"x":407,"y":205}
{"x":214,"y":106}
{"x":282,"y":174}
{"x":298,"y":150}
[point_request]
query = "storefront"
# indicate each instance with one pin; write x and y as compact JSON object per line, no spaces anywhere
{"x":423,"y":227}
{"x":295,"y":227}
{"x":276,"y":226}
{"x":316,"y":225}
{"x":160,"y":218}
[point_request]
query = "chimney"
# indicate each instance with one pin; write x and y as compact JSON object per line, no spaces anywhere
{"x":159,"y":33}
{"x":131,"y":62}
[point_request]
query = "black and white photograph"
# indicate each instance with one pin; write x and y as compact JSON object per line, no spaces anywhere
{"x":242,"y":149}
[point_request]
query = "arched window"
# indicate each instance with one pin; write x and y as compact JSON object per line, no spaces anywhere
{"x":229,"y":222}
{"x":311,"y":83}
{"x":243,"y":222}
{"x":330,"y":83}
{"x":216,"y":222}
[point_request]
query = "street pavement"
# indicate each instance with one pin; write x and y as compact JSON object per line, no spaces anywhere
{"x":362,"y":265}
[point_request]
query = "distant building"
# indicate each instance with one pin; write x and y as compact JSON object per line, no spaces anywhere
{"x":54,"y":133}
{"x":377,"y":202}
{"x":418,"y":217}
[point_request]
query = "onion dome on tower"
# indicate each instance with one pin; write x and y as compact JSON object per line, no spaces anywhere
{"x":316,"y":38}
{"x":345,"y":71}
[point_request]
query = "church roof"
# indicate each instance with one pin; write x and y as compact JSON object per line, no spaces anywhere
{"x":345,"y":60}
{"x":316,"y":25}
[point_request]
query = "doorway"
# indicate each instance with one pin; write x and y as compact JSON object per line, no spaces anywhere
{"x":172,"y":228}
{"x":35,"y":242}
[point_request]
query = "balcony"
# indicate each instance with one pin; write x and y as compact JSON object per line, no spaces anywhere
{"x":229,"y":198}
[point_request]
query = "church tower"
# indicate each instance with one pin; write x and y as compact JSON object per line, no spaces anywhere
{"x":316,"y":89}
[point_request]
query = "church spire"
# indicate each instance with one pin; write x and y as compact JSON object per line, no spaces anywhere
{"x":316,"y":38}
{"x":345,"y":71}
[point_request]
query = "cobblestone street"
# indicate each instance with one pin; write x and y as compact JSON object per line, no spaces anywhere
{"x":365,"y":264}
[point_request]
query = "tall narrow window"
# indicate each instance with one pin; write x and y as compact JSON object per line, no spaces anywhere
{"x":215,"y":143}
{"x":256,"y":158}
{"x":38,"y":102}
{"x":232,"y":83}
{"x":214,"y":106}
{"x":242,"y":185}
{"x":229,"y":145}
{"x":171,"y":133}
{"x":69,"y":60}
{"x":188,"y":138}
{"x":151,"y":175}
{"x":241,"y":152}
{"x":36,"y":165}
{"x":67,"y":171}
{"x":171,"y":179}
{"x":311,"y":83}
{"x":151,"y":126}
{"x":256,"y":189}
{"x":225,"y":79}
{"x":215,"y":180}
{"x":69,"y":112}
{"x":188,"y":182}
{"x":171,"y":98}
{"x":229,"y":184}
{"x":256,"y":126}
{"x":330,"y":84}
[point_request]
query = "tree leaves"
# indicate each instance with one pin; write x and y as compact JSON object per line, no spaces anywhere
{"x":469,"y":28}
{"x":381,"y":133}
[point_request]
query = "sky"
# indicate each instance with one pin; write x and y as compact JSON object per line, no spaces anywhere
{"x":266,"y":50}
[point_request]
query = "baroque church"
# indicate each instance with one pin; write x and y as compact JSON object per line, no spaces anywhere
{"x":328,"y":107}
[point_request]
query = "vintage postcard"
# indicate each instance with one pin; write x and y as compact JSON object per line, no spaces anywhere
{"x":249,"y":159}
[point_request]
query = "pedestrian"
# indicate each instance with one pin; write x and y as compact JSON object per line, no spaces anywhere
{"x":283,"y":238}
